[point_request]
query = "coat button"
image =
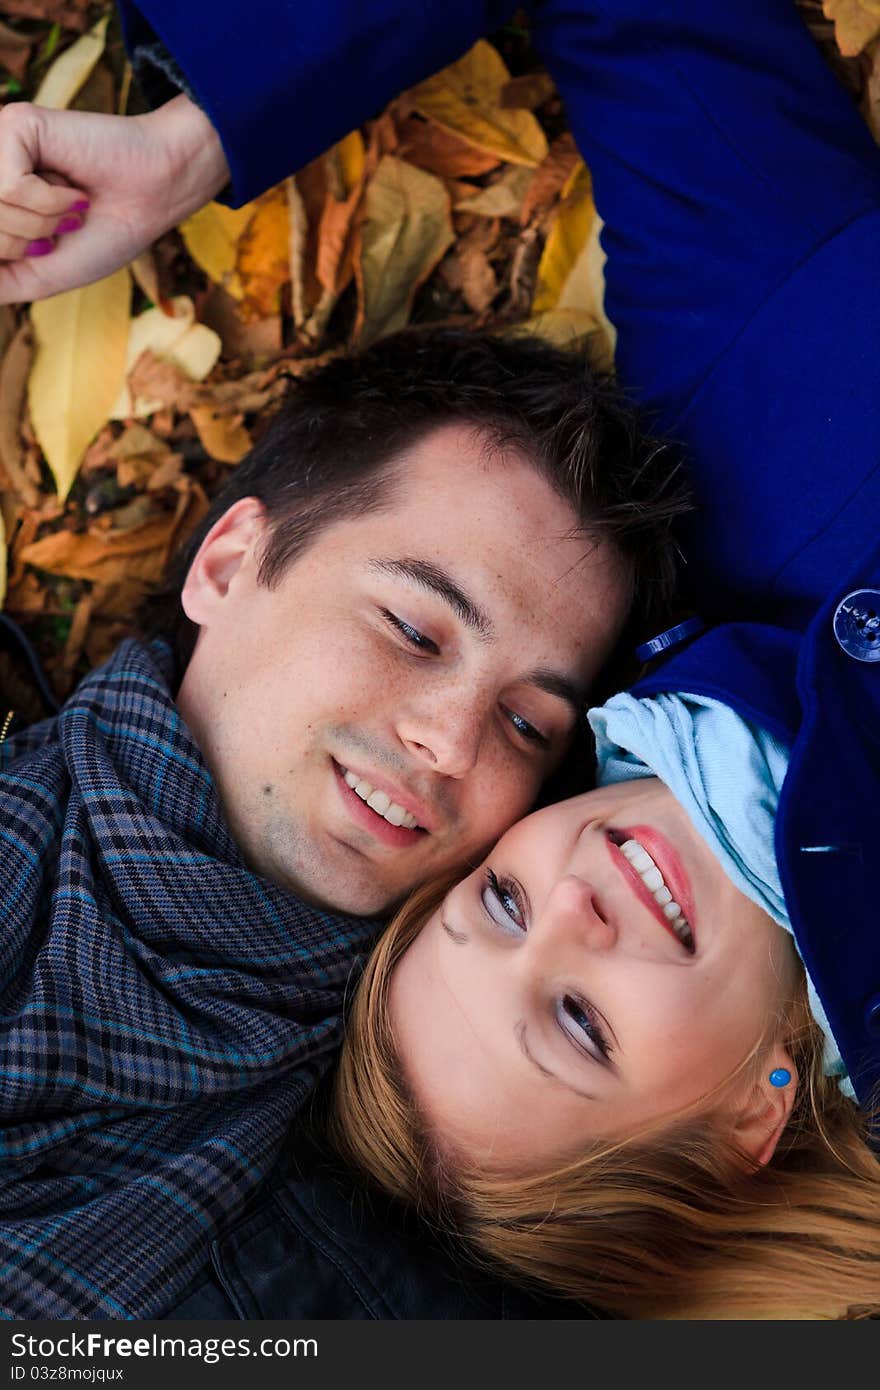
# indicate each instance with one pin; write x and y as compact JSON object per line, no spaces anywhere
{"x":872,"y":1016}
{"x":857,"y":624}
{"x":670,"y":639}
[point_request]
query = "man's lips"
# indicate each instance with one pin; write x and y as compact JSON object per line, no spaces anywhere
{"x":670,"y":866}
{"x":396,"y":836}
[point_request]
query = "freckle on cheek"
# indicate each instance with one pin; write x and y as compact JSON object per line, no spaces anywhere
{"x":268,"y":789}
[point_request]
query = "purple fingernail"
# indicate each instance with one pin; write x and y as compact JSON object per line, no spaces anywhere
{"x":68,"y":224}
{"x":82,"y":206}
{"x":39,"y":248}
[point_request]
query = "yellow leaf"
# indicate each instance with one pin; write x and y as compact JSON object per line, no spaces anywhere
{"x":571,"y":275}
{"x":70,"y":71}
{"x":349,"y":154}
{"x":78,"y":369}
{"x":856,"y":23}
{"x":224,"y":436}
{"x":211,"y":237}
{"x":406,"y":231}
{"x":503,"y":198}
{"x":263,"y":261}
{"x":466,"y":98}
{"x":177,"y":338}
{"x":2,"y":561}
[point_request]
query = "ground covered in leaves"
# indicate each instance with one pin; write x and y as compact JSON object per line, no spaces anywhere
{"x":124,"y":406}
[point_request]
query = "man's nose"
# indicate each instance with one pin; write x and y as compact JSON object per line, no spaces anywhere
{"x":573,"y":915}
{"x":446,"y":734}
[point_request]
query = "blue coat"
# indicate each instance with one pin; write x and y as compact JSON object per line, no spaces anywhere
{"x":741,"y":197}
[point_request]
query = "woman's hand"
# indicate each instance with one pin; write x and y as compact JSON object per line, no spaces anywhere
{"x":138,"y":176}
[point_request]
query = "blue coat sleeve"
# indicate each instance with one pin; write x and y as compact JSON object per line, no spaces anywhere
{"x":282,"y":82}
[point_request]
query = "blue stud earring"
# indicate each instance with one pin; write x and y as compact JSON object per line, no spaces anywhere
{"x":780,"y":1077}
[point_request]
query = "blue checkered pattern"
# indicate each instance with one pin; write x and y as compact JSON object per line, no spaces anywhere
{"x":163,"y":1012}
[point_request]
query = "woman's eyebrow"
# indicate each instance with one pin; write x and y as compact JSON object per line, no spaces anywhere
{"x":520,"y":1035}
{"x":439,"y":582}
{"x":459,"y":937}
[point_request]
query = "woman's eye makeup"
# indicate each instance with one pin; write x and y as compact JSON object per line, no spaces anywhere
{"x":578,"y":1021}
{"x":503,"y":903}
{"x":411,"y":634}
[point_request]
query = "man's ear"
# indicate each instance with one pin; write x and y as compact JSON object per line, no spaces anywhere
{"x":231,"y":543}
{"x":763,"y":1110}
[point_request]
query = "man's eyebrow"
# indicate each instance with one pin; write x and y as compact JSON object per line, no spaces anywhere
{"x":520,"y":1034}
{"x":552,"y":683}
{"x":438,"y":582}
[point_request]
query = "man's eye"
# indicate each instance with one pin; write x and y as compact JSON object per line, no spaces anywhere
{"x":527,"y":730}
{"x":503,"y":904}
{"x":413,"y":636}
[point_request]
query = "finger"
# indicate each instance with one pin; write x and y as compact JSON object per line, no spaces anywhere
{"x":13,"y":248}
{"x":38,"y":195}
{"x":21,"y":222}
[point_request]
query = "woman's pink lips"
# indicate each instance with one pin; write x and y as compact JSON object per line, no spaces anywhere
{"x":676,"y":881}
{"x":395,"y":836}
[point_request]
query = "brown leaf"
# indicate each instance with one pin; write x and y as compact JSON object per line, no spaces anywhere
{"x":431,"y":146}
{"x":70,"y":14}
{"x":14,"y":373}
{"x":549,"y":178}
{"x":247,"y":342}
{"x":98,"y":92}
{"x":76,"y":637}
{"x":155,"y":379}
{"x":223,"y":436}
{"x":528,"y":91}
{"x":15,"y":50}
{"x":477,"y":279}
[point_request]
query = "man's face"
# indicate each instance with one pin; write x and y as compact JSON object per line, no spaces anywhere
{"x":429,"y":657}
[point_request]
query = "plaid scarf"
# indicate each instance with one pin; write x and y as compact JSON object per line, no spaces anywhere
{"x":164,"y":1012}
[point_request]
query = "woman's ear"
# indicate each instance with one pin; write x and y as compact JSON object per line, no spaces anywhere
{"x":764,"y":1108}
{"x":231,"y":541}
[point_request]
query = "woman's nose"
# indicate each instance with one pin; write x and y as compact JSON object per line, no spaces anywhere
{"x":574,"y":912}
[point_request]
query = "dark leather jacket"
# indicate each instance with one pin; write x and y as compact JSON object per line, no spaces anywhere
{"x":317,"y":1245}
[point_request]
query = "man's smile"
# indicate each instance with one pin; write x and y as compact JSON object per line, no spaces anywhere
{"x":388,"y":813}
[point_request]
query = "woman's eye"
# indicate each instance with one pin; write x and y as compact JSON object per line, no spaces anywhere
{"x":413,"y":636}
{"x":527,"y":730}
{"x":502,"y":902}
{"x":578,"y":1021}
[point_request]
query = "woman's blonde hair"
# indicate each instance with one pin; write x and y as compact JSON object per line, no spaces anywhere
{"x":671,"y":1224}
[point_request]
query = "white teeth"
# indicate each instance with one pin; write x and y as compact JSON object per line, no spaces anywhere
{"x":380,"y":802}
{"x":653,"y":881}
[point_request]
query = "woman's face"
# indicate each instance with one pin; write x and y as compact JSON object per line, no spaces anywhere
{"x":551,"y":1000}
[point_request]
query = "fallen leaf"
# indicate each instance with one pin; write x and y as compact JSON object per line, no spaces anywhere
{"x":15,"y":51}
{"x":156,"y":379}
{"x":14,"y":373}
{"x":78,"y":370}
{"x":248,"y":342}
{"x":406,"y":230}
{"x":528,"y":91}
{"x":82,"y":616}
{"x":70,"y":14}
{"x":440,"y":151}
{"x":211,"y":237}
{"x":466,"y":99}
{"x":871,"y":103}
{"x":503,"y":198}
{"x":69,"y":71}
{"x":98,"y":92}
{"x":191,"y":347}
{"x":571,"y":270}
{"x":3,"y":564}
{"x":223,"y":436}
{"x":550,"y":178}
{"x":299,"y":233}
{"x":856,"y":23}
{"x":263,"y":255}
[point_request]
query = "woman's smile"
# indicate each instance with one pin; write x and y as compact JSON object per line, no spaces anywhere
{"x":544,"y":1004}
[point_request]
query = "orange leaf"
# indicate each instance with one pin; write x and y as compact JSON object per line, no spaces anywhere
{"x":263,"y":261}
{"x":224,"y":436}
